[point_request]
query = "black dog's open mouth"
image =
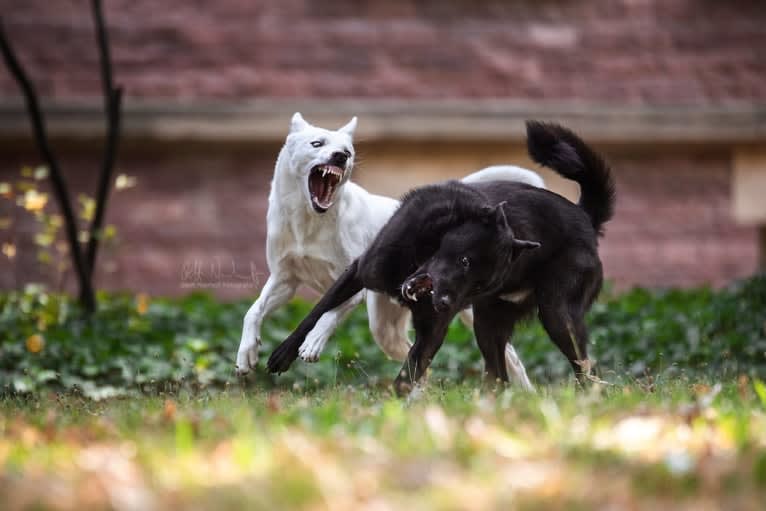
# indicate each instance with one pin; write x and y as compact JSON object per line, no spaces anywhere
{"x":323,"y":183}
{"x":417,"y":287}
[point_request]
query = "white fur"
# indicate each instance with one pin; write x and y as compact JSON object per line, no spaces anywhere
{"x":312,"y":249}
{"x":505,"y":173}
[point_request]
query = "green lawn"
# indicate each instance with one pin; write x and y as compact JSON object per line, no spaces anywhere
{"x":680,"y":445}
{"x":138,"y":408}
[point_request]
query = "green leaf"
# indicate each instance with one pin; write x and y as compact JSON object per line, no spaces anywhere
{"x":760,"y":389}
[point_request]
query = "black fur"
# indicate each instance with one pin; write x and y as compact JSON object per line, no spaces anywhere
{"x":456,"y":245}
{"x":557,"y":147}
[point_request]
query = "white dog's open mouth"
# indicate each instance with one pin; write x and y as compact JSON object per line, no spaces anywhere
{"x":323,"y":183}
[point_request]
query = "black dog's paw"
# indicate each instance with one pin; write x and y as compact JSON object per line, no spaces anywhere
{"x":282,"y":357}
{"x":417,"y":287}
{"x":402,"y":387}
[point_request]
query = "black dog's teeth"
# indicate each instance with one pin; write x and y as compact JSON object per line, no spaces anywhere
{"x":412,"y":295}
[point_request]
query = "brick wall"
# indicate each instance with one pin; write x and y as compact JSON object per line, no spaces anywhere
{"x":196,"y":209}
{"x":190,"y":209}
{"x":674,"y":222}
{"x":199,"y":207}
{"x":634,"y":51}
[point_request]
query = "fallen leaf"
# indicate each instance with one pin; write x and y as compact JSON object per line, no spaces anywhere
{"x":35,"y":343}
{"x":169,"y":410}
{"x":142,"y":303}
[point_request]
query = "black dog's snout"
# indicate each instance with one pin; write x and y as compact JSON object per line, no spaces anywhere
{"x":442,"y":303}
{"x":339,"y":159}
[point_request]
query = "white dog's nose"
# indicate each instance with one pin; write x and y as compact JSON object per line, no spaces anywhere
{"x":339,"y":158}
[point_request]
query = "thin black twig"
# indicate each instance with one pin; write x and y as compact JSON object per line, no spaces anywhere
{"x":112,"y":111}
{"x":57,"y":181}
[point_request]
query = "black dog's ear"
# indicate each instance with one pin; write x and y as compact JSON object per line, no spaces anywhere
{"x":501,"y":219}
{"x":525,"y":244}
{"x":517,"y":245}
{"x":520,"y":246}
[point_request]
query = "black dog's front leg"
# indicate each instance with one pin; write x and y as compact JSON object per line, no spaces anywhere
{"x":347,"y":285}
{"x":430,"y":329}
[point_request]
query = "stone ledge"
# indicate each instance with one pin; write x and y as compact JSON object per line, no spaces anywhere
{"x":399,"y":119}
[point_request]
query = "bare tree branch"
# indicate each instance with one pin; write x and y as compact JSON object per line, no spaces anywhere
{"x":87,"y":298}
{"x":112,"y":111}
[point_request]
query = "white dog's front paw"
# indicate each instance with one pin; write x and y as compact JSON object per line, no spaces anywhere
{"x":312,"y":347}
{"x":247,"y":356}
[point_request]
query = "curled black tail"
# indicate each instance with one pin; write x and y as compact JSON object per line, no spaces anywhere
{"x":558,"y":148}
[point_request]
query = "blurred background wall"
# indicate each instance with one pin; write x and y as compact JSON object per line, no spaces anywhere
{"x":672,"y":91}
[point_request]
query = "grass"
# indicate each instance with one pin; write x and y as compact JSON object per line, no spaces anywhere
{"x":136,"y":344}
{"x":137,"y":408}
{"x":683,"y":444}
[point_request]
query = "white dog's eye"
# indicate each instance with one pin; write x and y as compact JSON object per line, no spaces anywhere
{"x":317,"y":143}
{"x":347,"y":153}
{"x":465,"y":262}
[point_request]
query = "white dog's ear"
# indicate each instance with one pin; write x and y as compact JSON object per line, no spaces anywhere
{"x":350,"y":127}
{"x":298,"y":123}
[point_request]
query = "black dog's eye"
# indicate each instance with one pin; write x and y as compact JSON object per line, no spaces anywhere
{"x":465,"y":262}
{"x":317,"y":143}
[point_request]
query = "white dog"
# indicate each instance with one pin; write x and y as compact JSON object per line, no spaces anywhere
{"x":318,"y":222}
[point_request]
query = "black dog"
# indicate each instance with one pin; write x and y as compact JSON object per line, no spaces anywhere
{"x":453,"y":245}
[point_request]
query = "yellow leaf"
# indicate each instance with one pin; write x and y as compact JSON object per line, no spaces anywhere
{"x":5,"y":222}
{"x":83,"y":237}
{"x":34,"y":200}
{"x":56,"y":221}
{"x":44,"y":256}
{"x":88,"y":207}
{"x":9,"y":250}
{"x":142,"y":303}
{"x":24,"y":186}
{"x":44,"y":239}
{"x":35,"y":343}
{"x":109,"y":233}
{"x":124,"y":181}
{"x":6,"y":190}
{"x":26,"y":171}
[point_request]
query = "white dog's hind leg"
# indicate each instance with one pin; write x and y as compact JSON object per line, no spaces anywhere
{"x":316,"y":340}
{"x":516,"y":368}
{"x":277,"y":291}
{"x":513,"y":363}
{"x":389,"y":322}
{"x":466,"y":317}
